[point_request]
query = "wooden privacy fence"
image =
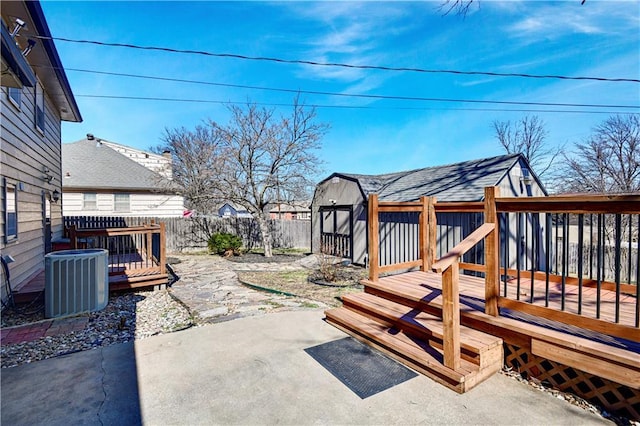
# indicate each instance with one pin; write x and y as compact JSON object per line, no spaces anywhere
{"x":192,"y":233}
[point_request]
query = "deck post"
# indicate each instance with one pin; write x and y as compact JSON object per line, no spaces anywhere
{"x":433,"y":231}
{"x":73,"y":238}
{"x":491,"y":253}
{"x":163,"y":251}
{"x":149,"y":243}
{"x":374,"y":237}
{"x":451,"y":316}
{"x":423,"y":232}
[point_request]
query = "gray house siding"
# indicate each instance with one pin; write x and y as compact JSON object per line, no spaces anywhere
{"x":25,"y":154}
{"x":28,"y":153}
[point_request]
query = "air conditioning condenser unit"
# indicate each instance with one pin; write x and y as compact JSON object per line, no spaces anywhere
{"x":76,"y":281}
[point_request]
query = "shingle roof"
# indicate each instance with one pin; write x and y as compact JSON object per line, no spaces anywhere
{"x":453,"y":182}
{"x":87,"y":164}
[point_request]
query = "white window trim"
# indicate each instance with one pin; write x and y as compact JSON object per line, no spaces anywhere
{"x":13,"y":102}
{"x":128,"y":209}
{"x":13,"y":237}
{"x":94,"y":201}
{"x":39,"y":88}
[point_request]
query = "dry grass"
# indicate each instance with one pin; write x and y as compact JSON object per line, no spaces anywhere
{"x":297,"y":283}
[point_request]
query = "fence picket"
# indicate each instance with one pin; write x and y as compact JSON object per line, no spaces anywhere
{"x":189,"y":234}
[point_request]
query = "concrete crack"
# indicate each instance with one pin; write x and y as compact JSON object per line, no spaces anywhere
{"x":102,"y":383}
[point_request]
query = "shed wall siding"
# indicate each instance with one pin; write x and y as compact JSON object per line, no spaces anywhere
{"x":24,"y":155}
{"x":346,"y":193}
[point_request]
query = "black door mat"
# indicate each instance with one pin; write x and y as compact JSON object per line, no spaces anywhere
{"x":362,"y":369}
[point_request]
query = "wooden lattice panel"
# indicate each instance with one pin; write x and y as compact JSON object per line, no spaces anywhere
{"x":614,"y":397}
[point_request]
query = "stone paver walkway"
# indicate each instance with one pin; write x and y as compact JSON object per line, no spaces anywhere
{"x":209,"y":288}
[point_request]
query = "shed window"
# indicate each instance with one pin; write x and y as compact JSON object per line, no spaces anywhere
{"x":89,"y":201}
{"x":11,"y":209}
{"x":15,"y":96}
{"x":39,"y":113}
{"x":121,"y":203}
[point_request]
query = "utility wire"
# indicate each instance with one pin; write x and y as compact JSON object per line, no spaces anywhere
{"x":347,"y":106}
{"x":341,"y":65}
{"x":356,"y":95}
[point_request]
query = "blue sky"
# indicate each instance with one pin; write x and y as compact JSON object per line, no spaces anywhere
{"x":597,"y":39}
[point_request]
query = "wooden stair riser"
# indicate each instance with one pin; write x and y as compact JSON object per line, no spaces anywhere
{"x":423,"y":334}
{"x":423,"y":306}
{"x":413,"y":352}
{"x":468,"y":319}
{"x":476,"y":347}
{"x":431,"y":369}
{"x":417,"y":318}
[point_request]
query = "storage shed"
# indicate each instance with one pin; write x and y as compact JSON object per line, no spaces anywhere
{"x":339,"y":207}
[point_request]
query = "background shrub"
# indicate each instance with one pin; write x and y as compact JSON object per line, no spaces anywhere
{"x":224,"y":244}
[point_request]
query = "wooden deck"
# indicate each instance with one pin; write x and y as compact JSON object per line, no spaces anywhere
{"x":420,"y":293}
{"x":472,"y":293}
{"x":136,"y":258}
{"x":575,"y":332}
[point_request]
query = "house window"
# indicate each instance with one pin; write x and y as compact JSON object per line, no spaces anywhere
{"x":121,"y":203}
{"x":39,"y":108}
{"x":11,"y":209}
{"x":15,"y":96}
{"x":89,"y":201}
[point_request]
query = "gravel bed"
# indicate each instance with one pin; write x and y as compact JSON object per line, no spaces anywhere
{"x":126,"y":317}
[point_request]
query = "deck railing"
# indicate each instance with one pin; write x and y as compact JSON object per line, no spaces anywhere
{"x":136,"y":254}
{"x":576,"y":261}
{"x":383,"y":237}
{"x":568,"y":259}
{"x":449,"y":267}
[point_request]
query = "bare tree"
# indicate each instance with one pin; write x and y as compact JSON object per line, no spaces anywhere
{"x":460,"y":7}
{"x":257,"y":159}
{"x":528,"y":137}
{"x":195,"y":164}
{"x":268,"y":159}
{"x":608,"y":161}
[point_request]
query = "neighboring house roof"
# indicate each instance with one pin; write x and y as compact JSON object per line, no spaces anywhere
{"x":453,"y":182}
{"x":233,"y":210}
{"x":294,"y":207}
{"x":88,"y":164}
{"x":159,"y":163}
{"x":44,"y":55}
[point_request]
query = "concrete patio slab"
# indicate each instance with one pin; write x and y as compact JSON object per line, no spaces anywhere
{"x":251,"y":370}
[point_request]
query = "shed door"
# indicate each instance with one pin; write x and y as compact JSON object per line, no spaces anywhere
{"x":336,"y":231}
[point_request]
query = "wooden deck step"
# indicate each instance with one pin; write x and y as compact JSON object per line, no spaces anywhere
{"x":477,"y":347}
{"x":411,"y":351}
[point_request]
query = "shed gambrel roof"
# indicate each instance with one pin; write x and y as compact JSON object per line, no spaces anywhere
{"x":452,"y":182}
{"x":87,"y":164}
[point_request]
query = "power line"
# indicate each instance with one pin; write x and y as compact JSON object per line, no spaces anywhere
{"x":356,"y":95}
{"x":347,"y":106}
{"x":341,"y":65}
